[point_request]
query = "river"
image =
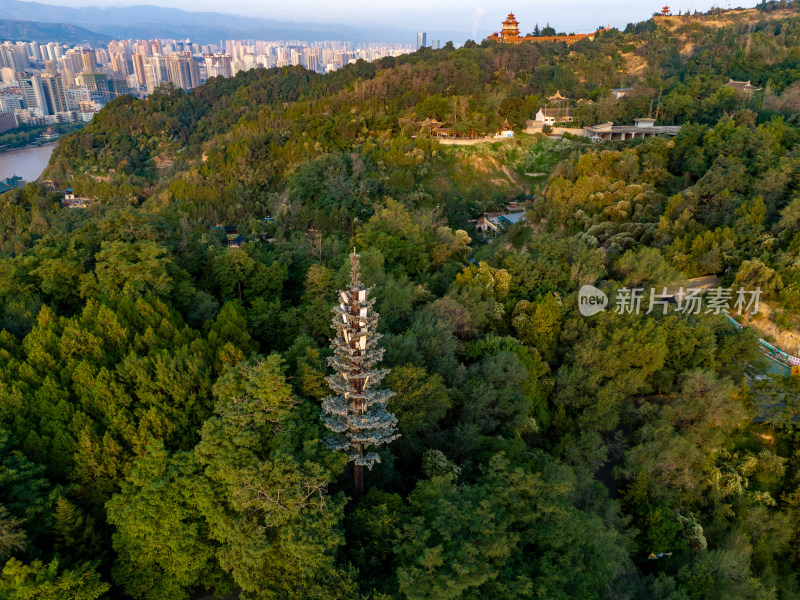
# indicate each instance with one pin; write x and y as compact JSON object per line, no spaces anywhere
{"x":27,"y":163}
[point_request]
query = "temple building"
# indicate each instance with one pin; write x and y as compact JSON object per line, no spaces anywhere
{"x":742,"y":87}
{"x":510,"y":27}
{"x":509,"y":34}
{"x":643,"y":128}
{"x":553,"y":116}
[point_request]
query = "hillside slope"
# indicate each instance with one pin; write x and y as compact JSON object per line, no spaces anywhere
{"x":163,"y":351}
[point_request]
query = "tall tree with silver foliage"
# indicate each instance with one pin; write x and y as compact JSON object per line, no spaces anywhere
{"x":357,"y":413}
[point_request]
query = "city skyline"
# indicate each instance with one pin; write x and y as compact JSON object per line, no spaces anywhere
{"x":51,"y":83}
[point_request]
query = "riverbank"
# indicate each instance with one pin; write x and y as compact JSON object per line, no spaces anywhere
{"x":4,"y":149}
{"x":29,"y":136}
{"x":28,"y":163}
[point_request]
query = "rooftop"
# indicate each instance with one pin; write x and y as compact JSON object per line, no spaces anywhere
{"x":609,"y":127}
{"x":742,"y":86}
{"x":513,"y":218}
{"x":557,"y":112}
{"x":557,"y":97}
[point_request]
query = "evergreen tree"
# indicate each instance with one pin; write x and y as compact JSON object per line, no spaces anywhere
{"x":357,"y":414}
{"x":19,"y":581}
{"x":12,"y":535}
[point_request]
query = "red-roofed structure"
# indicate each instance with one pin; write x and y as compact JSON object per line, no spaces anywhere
{"x":509,"y":34}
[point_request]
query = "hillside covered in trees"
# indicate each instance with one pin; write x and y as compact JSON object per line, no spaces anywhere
{"x":161,"y":390}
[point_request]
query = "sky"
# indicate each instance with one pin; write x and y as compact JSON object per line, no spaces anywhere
{"x":476,"y":19}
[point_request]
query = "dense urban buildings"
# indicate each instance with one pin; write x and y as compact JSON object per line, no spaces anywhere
{"x":44,"y":84}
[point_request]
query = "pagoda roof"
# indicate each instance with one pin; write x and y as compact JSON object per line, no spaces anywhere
{"x":557,"y":97}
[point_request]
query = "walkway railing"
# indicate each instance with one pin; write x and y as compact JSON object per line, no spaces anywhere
{"x":769,"y":349}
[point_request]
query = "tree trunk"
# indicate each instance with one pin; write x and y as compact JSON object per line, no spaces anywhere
{"x":358,"y":479}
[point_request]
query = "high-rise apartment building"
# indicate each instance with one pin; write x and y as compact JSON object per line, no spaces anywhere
{"x":98,"y":85}
{"x":68,"y":77}
{"x":32,"y":49}
{"x":218,"y":64}
{"x":421,"y":39}
{"x":73,"y":59}
{"x":160,"y":62}
{"x":89,"y":59}
{"x":14,"y":56}
{"x":183,"y":71}
{"x":151,"y":76}
{"x":138,"y":61}
{"x":33,"y":94}
{"x":119,"y":65}
{"x":54,"y":95}
{"x":8,"y":75}
{"x":283,"y":58}
{"x":78,"y":98}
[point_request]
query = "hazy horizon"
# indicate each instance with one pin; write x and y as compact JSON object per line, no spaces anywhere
{"x":473,"y":19}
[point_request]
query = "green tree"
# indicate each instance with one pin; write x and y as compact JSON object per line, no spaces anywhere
{"x":132,"y":270}
{"x":538,"y":324}
{"x":160,"y":539}
{"x":19,"y":581}
{"x":510,"y":535}
{"x":420,"y":399}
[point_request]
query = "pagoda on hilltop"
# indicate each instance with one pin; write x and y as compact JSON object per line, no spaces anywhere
{"x":510,"y":27}
{"x":509,"y":34}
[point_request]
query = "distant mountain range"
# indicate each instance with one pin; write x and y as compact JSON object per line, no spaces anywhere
{"x":36,"y":31}
{"x":146,"y":22}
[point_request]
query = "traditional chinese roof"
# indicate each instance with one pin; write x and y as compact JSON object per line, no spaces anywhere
{"x":433,"y":123}
{"x":510,"y":27}
{"x":557,"y":97}
{"x":742,"y":86}
{"x":557,"y":112}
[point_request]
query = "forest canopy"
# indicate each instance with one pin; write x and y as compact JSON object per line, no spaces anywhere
{"x":161,"y":387}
